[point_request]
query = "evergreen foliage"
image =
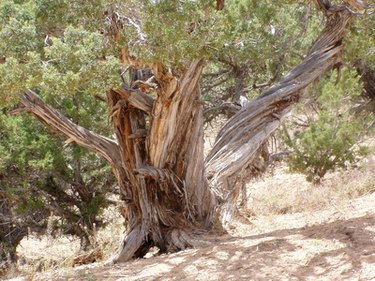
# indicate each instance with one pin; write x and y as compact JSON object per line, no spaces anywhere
{"x":333,"y":135}
{"x":44,"y":182}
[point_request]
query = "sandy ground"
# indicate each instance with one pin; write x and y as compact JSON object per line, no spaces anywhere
{"x":331,"y":244}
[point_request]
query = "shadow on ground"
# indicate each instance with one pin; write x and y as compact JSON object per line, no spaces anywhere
{"x":343,"y":249}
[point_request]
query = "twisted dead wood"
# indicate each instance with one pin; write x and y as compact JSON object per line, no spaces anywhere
{"x":238,"y":142}
{"x":104,"y":146}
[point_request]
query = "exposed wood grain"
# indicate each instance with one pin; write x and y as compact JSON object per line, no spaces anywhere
{"x":238,"y":142}
{"x":104,"y":146}
{"x":137,"y":99}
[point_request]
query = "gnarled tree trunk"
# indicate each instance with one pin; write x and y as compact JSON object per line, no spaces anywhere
{"x":157,"y":159}
{"x":238,"y":144}
{"x":158,"y":153}
{"x":166,"y":193}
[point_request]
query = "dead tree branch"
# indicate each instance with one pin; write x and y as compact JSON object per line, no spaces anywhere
{"x":104,"y":146}
{"x":238,"y":143}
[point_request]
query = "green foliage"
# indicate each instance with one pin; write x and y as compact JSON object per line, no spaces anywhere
{"x":40,"y":175}
{"x":63,"y":47}
{"x":18,"y":34}
{"x":360,"y":44}
{"x":332,"y":139}
{"x":21,"y":206}
{"x":74,"y":65}
{"x":55,"y":47}
{"x":172,"y":32}
{"x":60,"y":49}
{"x":256,"y":42}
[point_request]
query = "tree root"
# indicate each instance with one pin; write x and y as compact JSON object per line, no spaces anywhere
{"x":131,"y":245}
{"x":137,"y":243}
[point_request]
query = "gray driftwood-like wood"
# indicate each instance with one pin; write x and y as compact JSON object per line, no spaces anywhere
{"x":169,"y":192}
{"x":105,"y":147}
{"x":238,"y":143}
{"x":162,"y":154}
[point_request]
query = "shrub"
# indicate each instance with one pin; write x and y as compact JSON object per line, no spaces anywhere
{"x":333,"y":133}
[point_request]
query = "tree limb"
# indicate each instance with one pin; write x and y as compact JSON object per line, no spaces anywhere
{"x":238,"y":143}
{"x":104,"y":146}
{"x":136,"y":98}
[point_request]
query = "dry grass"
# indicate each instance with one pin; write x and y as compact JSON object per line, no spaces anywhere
{"x":324,"y":245}
{"x":43,"y":253}
{"x":286,"y":192}
{"x":108,"y":238}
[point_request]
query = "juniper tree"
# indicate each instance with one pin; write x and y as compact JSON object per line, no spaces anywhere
{"x":169,"y":191}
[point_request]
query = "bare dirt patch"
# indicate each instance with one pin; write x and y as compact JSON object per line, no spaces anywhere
{"x":330,"y":244}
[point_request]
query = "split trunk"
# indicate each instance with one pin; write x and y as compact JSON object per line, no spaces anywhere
{"x":169,"y":191}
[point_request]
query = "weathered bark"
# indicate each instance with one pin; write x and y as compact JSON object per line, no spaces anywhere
{"x":220,"y":4}
{"x":105,"y":147}
{"x":238,"y":143}
{"x":157,"y":159}
{"x":158,"y":156}
{"x":162,"y":155}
